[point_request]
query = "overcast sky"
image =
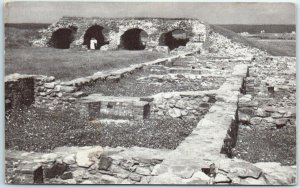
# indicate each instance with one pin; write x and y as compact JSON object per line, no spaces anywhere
{"x":215,"y":13}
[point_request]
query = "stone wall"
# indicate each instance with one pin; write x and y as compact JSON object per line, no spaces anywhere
{"x":83,"y":165}
{"x":96,"y":106}
{"x":191,"y":105}
{"x":155,"y":27}
{"x":25,"y":90}
{"x":19,"y":91}
{"x":96,"y":165}
{"x":270,"y":94}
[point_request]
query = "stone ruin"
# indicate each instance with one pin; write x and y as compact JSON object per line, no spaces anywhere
{"x":123,"y":33}
{"x":248,"y":88}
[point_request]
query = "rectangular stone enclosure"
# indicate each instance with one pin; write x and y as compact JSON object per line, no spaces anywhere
{"x":96,"y":106}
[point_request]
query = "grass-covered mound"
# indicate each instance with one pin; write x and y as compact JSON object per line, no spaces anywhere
{"x":284,"y":49}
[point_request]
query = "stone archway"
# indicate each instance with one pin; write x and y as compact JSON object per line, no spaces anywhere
{"x":134,"y":39}
{"x":173,"y":39}
{"x":95,"y":32}
{"x":62,"y":38}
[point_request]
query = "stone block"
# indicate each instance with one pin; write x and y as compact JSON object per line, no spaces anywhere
{"x":255,"y":120}
{"x":70,"y":159}
{"x":135,"y":177}
{"x":66,"y":175}
{"x":67,"y":89}
{"x":162,"y":49}
{"x":105,"y":163}
{"x":86,"y":158}
{"x":32,"y":173}
{"x":106,"y":179}
{"x":55,"y":170}
{"x":50,"y":85}
{"x":143,"y":171}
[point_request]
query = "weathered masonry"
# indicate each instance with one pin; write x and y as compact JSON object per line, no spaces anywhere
{"x":123,"y":33}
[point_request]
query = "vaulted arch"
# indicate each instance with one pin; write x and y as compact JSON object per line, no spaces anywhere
{"x":134,"y":39}
{"x":173,"y":39}
{"x":62,"y":38}
{"x":95,"y":32}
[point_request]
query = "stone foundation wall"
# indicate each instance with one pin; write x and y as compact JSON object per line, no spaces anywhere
{"x":19,"y":91}
{"x":96,"y":106}
{"x":83,"y":165}
{"x":96,"y":165}
{"x":25,"y":90}
{"x":191,"y":105}
{"x":270,"y":100}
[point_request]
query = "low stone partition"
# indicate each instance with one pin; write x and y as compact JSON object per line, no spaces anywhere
{"x":96,"y":106}
{"x":190,"y":104}
{"x":37,"y":89}
{"x":84,"y":165}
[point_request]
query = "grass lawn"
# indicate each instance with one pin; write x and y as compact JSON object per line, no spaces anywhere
{"x":38,"y":129}
{"x":288,"y":46}
{"x":258,"y":145}
{"x":70,"y":63}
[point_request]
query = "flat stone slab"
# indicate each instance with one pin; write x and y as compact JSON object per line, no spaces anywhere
{"x":100,"y":97}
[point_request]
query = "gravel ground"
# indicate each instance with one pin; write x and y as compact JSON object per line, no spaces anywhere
{"x":266,"y":145}
{"x":131,"y":86}
{"x":42,"y":130}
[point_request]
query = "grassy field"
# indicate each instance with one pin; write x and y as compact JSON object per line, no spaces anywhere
{"x":273,"y":36}
{"x":37,"y":129}
{"x":70,"y":63}
{"x":285,"y":48}
{"x":268,"y":28}
{"x":258,"y":145}
{"x":21,"y":35}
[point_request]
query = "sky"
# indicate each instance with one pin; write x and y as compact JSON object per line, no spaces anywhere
{"x":214,"y":13}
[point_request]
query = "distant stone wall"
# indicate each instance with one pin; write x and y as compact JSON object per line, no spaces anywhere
{"x":154,"y":27}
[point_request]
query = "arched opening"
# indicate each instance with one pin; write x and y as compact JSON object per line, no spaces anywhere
{"x":134,"y":39}
{"x":174,"y":39}
{"x":95,"y":32}
{"x":62,"y":38}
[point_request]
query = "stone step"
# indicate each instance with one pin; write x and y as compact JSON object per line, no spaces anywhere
{"x":97,"y":106}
